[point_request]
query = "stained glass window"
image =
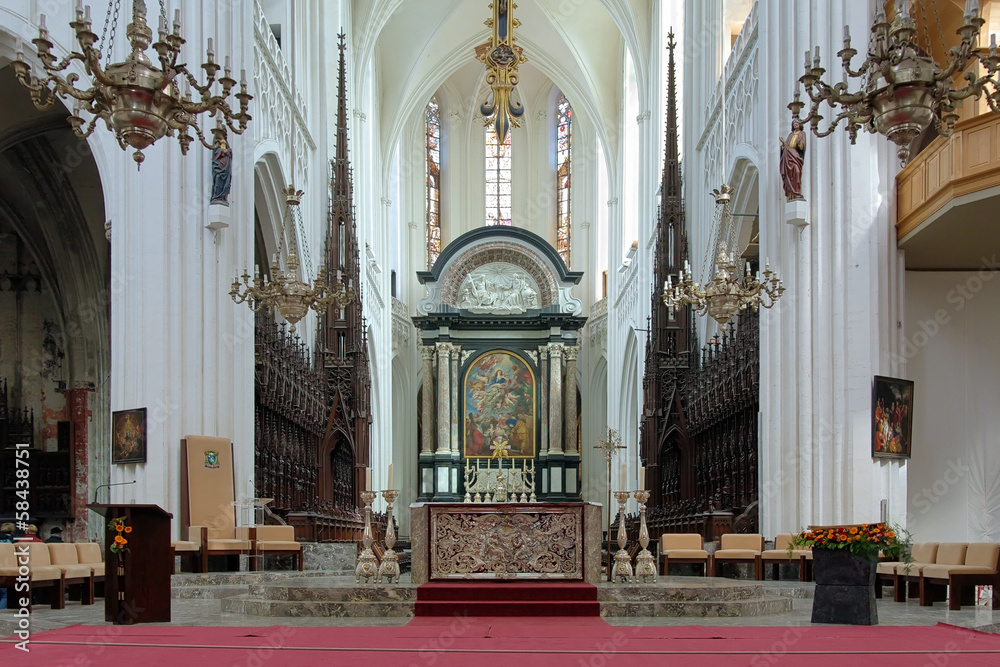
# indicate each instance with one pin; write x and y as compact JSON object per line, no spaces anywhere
{"x":564,"y":145}
{"x":498,"y":190}
{"x":432,"y":134}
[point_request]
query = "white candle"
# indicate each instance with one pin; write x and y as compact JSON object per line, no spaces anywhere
{"x":368,"y":479}
{"x":624,"y":474}
{"x":642,"y":478}
{"x":389,"y":482}
{"x":210,"y":46}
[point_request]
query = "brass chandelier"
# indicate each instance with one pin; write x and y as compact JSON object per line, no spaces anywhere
{"x":138,"y":101}
{"x":725,"y":294}
{"x":903,"y":91}
{"x":502,"y":56}
{"x":283,"y":290}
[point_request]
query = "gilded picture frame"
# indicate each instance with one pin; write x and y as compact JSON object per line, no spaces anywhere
{"x":499,"y":408}
{"x":892,"y":417}
{"x":128,"y":436}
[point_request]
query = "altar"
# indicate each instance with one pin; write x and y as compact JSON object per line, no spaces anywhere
{"x":504,"y":541}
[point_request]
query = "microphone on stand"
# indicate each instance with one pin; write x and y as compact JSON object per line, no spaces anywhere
{"x":108,"y":487}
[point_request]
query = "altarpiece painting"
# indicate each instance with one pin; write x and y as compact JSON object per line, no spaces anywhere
{"x":499,"y":414}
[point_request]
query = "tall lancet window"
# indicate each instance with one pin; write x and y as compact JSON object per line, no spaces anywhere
{"x":498,"y":190}
{"x":432,"y":140}
{"x":564,"y":151}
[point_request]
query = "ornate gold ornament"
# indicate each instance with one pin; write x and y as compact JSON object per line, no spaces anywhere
{"x":501,"y":56}
{"x":725,"y":294}
{"x":284,"y":291}
{"x":903,"y":91}
{"x":138,"y":101}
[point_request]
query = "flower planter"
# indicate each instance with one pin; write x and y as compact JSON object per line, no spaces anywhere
{"x":845,"y":588}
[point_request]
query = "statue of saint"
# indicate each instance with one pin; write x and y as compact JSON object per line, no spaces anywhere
{"x":793,"y":152}
{"x":222,"y":171}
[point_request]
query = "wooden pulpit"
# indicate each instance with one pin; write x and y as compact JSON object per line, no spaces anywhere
{"x":137,"y":581}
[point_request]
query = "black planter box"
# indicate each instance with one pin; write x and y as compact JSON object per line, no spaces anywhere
{"x":845,"y":588}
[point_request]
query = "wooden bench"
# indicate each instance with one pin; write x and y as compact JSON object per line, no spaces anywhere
{"x":979,"y":569}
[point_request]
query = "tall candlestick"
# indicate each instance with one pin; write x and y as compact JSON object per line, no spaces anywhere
{"x":389,"y":482}
{"x":624,"y":474}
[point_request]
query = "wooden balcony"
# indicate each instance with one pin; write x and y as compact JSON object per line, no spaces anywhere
{"x":947,"y":198}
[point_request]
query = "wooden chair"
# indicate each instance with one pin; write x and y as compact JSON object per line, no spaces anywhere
{"x":65,"y":557}
{"x":895,"y":572}
{"x":979,"y":569}
{"x":276,"y":541}
{"x":190,"y":552}
{"x":948,"y":553}
{"x":41,"y":575}
{"x":738,"y":548}
{"x":780,"y":553}
{"x":207,"y":508}
{"x":683,"y":548}
{"x":92,"y":555}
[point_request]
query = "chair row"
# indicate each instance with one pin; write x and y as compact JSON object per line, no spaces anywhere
{"x":253,"y":541}
{"x":733,"y":548}
{"x":56,"y":566}
{"x":957,"y":567}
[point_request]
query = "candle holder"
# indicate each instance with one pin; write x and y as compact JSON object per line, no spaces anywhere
{"x":645,"y":566}
{"x":367,"y":564}
{"x":390,"y":561}
{"x":623,"y":562}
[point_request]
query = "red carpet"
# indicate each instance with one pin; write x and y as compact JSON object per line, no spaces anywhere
{"x":492,"y":598}
{"x":525,"y":642}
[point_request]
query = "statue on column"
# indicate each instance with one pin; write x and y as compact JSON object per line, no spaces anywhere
{"x":222,"y":169}
{"x":793,"y":152}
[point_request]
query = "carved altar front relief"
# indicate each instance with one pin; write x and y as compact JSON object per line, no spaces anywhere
{"x":499,"y":289}
{"x":506,"y":542}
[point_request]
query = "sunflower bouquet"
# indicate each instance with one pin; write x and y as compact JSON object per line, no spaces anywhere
{"x":120,"y":544}
{"x":868,"y":540}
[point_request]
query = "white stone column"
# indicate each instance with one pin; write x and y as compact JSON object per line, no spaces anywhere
{"x":543,"y":358}
{"x":456,"y":355}
{"x":427,"y":401}
{"x":180,"y":347}
{"x":555,"y":398}
{"x":444,"y":398}
{"x":569,"y":401}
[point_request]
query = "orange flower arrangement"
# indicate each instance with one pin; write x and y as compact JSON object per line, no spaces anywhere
{"x":866,"y":540}
{"x":120,"y":544}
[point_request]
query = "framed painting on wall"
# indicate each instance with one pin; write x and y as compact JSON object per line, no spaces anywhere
{"x":128,"y":436}
{"x":892,"y":417}
{"x":499,"y":415}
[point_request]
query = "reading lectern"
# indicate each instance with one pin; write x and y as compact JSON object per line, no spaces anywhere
{"x":137,"y":581}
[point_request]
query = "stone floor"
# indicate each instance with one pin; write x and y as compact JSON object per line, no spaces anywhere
{"x":200,"y":601}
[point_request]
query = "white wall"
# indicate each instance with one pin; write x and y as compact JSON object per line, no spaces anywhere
{"x":950,"y":351}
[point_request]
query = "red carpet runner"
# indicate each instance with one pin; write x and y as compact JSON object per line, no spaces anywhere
{"x":493,"y":598}
{"x":524,"y":642}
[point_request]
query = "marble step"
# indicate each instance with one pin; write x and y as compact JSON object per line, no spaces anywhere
{"x":283,"y":608}
{"x":238,"y":578}
{"x":699,"y":608}
{"x":207,"y":592}
{"x":708,"y":591}
{"x":327,"y":591}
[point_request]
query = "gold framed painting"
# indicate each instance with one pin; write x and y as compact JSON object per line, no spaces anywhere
{"x":128,"y":436}
{"x":499,"y":414}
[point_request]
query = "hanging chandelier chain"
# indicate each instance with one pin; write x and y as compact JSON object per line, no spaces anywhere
{"x":305,"y":245}
{"x":937,"y":17}
{"x":114,"y":7}
{"x":925,"y":24}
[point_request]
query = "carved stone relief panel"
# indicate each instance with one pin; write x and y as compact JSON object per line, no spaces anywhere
{"x":498,"y":288}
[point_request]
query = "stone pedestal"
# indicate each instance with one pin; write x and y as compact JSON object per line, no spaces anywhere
{"x":797,"y":213}
{"x":845,"y":588}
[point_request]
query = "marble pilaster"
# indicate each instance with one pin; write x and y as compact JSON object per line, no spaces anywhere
{"x":456,"y":356}
{"x":444,"y":398}
{"x":427,"y":407}
{"x":555,"y":398}
{"x":570,"y":400}
{"x":543,"y":358}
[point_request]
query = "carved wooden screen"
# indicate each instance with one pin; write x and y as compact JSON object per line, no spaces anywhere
{"x":289,"y":416}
